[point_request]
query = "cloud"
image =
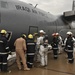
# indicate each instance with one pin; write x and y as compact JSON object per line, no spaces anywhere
{"x":53,"y":6}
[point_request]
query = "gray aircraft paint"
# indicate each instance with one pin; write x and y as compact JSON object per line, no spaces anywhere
{"x":19,"y":17}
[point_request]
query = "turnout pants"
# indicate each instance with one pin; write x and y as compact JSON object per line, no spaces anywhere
{"x":30,"y":60}
{"x":55,"y":52}
{"x":3,"y":62}
{"x":70,"y":57}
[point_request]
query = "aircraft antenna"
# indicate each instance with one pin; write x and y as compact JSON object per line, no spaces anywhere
{"x":35,"y":5}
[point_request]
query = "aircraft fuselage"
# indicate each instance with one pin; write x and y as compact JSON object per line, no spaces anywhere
{"x":19,"y":17}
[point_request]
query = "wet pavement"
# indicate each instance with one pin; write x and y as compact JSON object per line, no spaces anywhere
{"x":55,"y":67}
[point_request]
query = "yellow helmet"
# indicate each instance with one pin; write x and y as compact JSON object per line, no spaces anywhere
{"x":3,"y":31}
{"x":30,"y":36}
{"x":24,"y":35}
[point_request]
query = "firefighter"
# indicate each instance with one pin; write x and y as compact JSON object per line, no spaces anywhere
{"x":4,"y":50}
{"x":20,"y":47}
{"x":30,"y":50}
{"x":54,"y":44}
{"x":69,"y":41}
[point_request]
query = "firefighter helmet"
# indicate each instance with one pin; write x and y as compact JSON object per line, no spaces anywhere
{"x":3,"y":31}
{"x":57,"y":34}
{"x":41,"y":31}
{"x":24,"y":35}
{"x":54,"y":34}
{"x":69,"y":33}
{"x":30,"y":36}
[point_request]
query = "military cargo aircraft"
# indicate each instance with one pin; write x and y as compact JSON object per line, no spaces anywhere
{"x":19,"y":17}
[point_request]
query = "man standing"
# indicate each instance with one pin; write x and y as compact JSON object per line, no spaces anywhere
{"x":4,"y":50}
{"x":20,"y":47}
{"x":55,"y":42}
{"x":39,"y":43}
{"x":30,"y":50}
{"x":69,"y":41}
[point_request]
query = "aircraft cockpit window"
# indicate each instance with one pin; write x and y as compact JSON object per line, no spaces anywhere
{"x":4,"y":4}
{"x":8,"y":35}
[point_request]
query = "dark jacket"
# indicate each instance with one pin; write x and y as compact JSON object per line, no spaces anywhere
{"x":55,"y":42}
{"x":69,"y":43}
{"x":30,"y":46}
{"x":3,"y":44}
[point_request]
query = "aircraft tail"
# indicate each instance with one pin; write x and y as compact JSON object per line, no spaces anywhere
{"x":70,"y":15}
{"x":73,"y":6}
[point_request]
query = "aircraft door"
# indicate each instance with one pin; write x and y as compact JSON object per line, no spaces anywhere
{"x":33,"y":29}
{"x":8,"y":35}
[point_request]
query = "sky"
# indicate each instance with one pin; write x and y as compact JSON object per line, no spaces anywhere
{"x":55,"y":7}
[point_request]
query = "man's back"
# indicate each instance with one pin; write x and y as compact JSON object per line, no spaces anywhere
{"x":20,"y":43}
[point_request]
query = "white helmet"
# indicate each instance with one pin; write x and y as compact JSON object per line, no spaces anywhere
{"x":69,"y":33}
{"x":41,"y":31}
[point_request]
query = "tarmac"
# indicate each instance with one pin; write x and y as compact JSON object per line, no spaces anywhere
{"x":59,"y":66}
